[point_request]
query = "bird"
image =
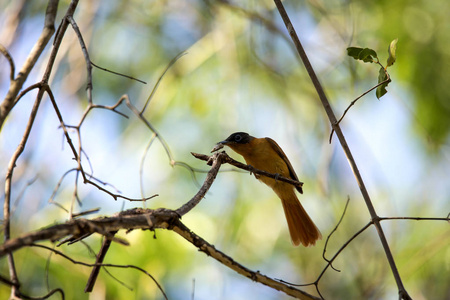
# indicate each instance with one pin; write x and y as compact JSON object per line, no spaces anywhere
{"x":265,"y":154}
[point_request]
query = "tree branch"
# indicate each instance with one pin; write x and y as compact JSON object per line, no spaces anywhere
{"x":251,"y":169}
{"x":357,"y":98}
{"x":403,"y":294}
{"x":139,"y":218}
{"x":17,"y":84}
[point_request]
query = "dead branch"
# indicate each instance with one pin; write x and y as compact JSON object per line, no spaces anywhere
{"x":76,"y":262}
{"x":142,"y":219}
{"x":226,"y":260}
{"x":75,"y":228}
{"x":148,"y":219}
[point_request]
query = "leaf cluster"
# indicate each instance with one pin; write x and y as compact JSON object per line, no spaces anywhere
{"x":369,"y":55}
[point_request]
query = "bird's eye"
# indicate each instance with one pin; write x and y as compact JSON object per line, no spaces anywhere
{"x":238,"y":138}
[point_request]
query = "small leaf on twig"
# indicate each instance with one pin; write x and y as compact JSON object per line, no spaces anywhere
{"x":381,"y":90}
{"x":364,"y":54}
{"x":392,"y":56}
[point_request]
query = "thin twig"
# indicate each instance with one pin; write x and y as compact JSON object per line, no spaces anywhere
{"x":217,"y":160}
{"x":141,"y":165}
{"x":46,"y":296}
{"x":9,"y":58}
{"x":119,"y":74}
{"x":415,"y":218}
{"x":103,"y":265}
{"x":22,"y":193}
{"x":17,"y":84}
{"x":99,"y":260}
{"x":354,"y":101}
{"x":403,"y":294}
{"x":8,"y":185}
{"x":331,"y":233}
{"x":133,"y":108}
{"x":155,"y":87}
{"x":316,"y":282}
{"x":86,"y":56}
{"x":86,"y":212}
{"x":227,"y":159}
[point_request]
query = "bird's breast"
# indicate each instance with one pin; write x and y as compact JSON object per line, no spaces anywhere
{"x":262,"y":156}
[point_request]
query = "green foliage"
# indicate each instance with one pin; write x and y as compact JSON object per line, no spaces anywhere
{"x":392,"y":53}
{"x":368,"y":55}
{"x":382,"y":77}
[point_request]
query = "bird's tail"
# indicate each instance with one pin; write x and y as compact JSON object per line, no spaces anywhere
{"x":301,"y":227}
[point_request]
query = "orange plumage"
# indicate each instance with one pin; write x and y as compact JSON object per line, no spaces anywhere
{"x":265,"y":154}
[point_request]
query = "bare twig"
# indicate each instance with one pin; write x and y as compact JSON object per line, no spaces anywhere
{"x":416,"y":218}
{"x":354,"y":101}
{"x":210,"y":250}
{"x":251,"y":169}
{"x":103,"y":265}
{"x":8,"y":191}
{"x":46,"y":296}
{"x":155,"y":87}
{"x":86,"y":212}
{"x":331,"y":233}
{"x":141,"y":219}
{"x":216,"y":161}
{"x":22,"y":193}
{"x":17,"y":84}
{"x":75,"y":228}
{"x":329,"y":264}
{"x":78,"y":156}
{"x":99,"y":260}
{"x":403,"y":294}
{"x":86,"y":56}
{"x":8,"y":57}
{"x":119,"y":74}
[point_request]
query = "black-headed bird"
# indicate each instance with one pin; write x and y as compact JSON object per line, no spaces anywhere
{"x":265,"y":154}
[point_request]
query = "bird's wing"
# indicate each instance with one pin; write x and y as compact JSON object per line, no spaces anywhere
{"x":286,"y":160}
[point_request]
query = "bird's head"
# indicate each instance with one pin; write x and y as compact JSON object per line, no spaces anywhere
{"x":234,"y":140}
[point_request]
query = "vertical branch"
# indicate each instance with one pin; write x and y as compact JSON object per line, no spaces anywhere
{"x":9,"y":102}
{"x":8,"y":184}
{"x":86,"y":57}
{"x":17,"y":84}
{"x":320,"y":91}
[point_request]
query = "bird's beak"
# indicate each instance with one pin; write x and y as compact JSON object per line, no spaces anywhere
{"x":219,"y":146}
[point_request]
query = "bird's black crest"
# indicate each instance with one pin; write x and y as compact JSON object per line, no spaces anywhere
{"x":239,"y":138}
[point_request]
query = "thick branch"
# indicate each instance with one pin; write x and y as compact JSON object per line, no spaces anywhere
{"x":210,"y":250}
{"x":216,"y":160}
{"x":76,"y":228}
{"x":139,"y":218}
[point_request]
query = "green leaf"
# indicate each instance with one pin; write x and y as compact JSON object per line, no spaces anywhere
{"x":364,"y":54}
{"x":381,"y":90}
{"x":368,"y":55}
{"x":392,"y":56}
{"x":354,"y":52}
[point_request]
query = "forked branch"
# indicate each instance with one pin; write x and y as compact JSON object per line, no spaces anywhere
{"x":149,"y":219}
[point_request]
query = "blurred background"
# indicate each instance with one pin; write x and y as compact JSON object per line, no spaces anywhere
{"x":240,"y":73}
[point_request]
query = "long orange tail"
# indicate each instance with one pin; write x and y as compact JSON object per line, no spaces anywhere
{"x":301,"y":227}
